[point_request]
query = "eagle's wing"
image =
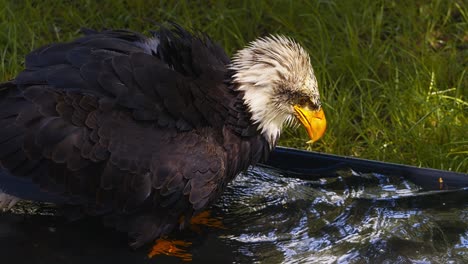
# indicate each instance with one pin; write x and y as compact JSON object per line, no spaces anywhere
{"x":99,"y":120}
{"x":134,"y":72}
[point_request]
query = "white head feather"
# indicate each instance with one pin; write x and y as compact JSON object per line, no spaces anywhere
{"x":274,"y":73}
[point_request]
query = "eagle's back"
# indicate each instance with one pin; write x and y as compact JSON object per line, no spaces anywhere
{"x":140,"y":130}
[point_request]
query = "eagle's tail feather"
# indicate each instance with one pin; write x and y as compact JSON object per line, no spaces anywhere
{"x":7,"y":201}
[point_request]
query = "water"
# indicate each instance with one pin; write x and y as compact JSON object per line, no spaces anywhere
{"x":269,"y":218}
{"x":375,"y":218}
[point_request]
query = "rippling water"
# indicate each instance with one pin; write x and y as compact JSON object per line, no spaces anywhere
{"x":270,"y":218}
{"x":354,"y":218}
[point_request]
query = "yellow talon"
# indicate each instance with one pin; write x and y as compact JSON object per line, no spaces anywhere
{"x":174,"y":248}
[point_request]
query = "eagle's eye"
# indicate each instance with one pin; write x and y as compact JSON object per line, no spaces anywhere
{"x":304,"y":101}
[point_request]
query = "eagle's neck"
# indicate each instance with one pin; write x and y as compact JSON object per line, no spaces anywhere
{"x":268,"y":113}
{"x":264,"y":113}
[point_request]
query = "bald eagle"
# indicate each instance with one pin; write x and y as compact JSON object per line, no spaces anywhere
{"x":147,"y":131}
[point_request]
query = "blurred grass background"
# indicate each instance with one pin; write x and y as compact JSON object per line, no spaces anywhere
{"x":393,"y":74}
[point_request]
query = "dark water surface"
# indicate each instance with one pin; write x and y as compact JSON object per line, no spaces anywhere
{"x":269,"y":218}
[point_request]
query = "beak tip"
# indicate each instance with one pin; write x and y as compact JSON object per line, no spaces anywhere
{"x":314,"y":121}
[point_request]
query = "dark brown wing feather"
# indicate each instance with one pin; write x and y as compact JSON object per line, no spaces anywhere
{"x":138,"y":132}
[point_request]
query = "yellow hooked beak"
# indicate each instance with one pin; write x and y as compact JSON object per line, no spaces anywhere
{"x":313,"y":120}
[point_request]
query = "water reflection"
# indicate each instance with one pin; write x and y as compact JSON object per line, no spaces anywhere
{"x":277,"y":219}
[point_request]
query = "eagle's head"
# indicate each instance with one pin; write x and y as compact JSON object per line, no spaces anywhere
{"x":279,"y":86}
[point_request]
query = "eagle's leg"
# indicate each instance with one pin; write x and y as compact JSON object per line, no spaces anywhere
{"x":179,"y":248}
{"x":205,"y":219}
{"x":174,"y":248}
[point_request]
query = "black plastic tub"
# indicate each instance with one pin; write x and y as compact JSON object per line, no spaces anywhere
{"x":312,"y":165}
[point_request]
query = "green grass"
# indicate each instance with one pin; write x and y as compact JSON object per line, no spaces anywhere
{"x":393,"y":74}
